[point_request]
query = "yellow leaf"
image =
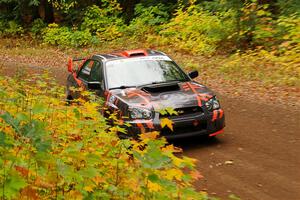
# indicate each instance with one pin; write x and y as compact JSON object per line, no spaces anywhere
{"x":154,"y":187}
{"x":88,"y":188}
{"x":73,"y":194}
{"x":166,"y":122}
{"x":177,"y":161}
{"x":171,"y":148}
{"x":174,"y":173}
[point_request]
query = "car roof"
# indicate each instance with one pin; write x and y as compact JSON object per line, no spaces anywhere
{"x":129,"y":54}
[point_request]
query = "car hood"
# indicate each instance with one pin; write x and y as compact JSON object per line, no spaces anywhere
{"x":160,"y":96}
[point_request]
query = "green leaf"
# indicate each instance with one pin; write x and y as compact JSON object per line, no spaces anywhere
{"x":89,"y":172}
{"x":2,"y":138}
{"x":22,"y":117}
{"x":5,"y":141}
{"x":163,"y":112}
{"x":233,"y":197}
{"x":171,"y":111}
{"x":13,"y":185}
{"x":77,"y":113}
{"x":43,"y":146}
{"x":153,"y":178}
{"x":38,"y":108}
{"x":11,"y":121}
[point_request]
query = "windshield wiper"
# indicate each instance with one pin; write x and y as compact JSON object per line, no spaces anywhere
{"x":161,"y":82}
{"x":122,"y":87}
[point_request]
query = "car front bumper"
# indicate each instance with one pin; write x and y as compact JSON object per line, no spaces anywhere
{"x":196,"y":124}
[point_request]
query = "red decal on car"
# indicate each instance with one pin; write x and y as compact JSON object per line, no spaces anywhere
{"x":131,"y":53}
{"x":205,"y":97}
{"x":194,"y":90}
{"x":216,"y":133}
{"x":215,"y":115}
{"x":195,"y":86}
{"x":79,"y":82}
{"x":150,"y":125}
{"x":116,"y":102}
{"x":132,"y":94}
{"x":199,"y":101}
{"x":107,"y":98}
{"x":221,"y":113}
{"x":185,"y":87}
{"x":140,"y":125}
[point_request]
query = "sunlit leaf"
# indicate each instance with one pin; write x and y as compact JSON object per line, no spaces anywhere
{"x":166,"y":122}
{"x":154,"y":187}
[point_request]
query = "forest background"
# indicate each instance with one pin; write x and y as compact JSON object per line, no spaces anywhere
{"x":255,"y":40}
{"x":50,"y":150}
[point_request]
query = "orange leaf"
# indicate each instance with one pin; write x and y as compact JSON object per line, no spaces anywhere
{"x":22,"y":170}
{"x":98,"y":180}
{"x":151,"y":135}
{"x":29,"y":192}
{"x":196,"y":175}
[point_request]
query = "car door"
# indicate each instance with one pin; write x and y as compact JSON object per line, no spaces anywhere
{"x":92,"y":71}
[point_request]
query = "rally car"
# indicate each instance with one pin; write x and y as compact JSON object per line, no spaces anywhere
{"x":140,"y":84}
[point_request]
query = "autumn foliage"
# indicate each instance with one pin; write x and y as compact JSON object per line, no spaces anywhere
{"x":51,"y":150}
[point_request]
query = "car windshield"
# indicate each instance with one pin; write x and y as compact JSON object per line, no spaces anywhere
{"x":142,"y":71}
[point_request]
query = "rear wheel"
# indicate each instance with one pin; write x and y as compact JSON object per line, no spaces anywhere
{"x":69,"y":97}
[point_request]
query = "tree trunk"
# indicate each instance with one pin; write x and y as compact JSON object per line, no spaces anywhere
{"x":46,"y":11}
{"x":128,"y":9}
{"x":28,"y":12}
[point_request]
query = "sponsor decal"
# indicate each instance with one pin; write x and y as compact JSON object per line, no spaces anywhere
{"x":112,"y":99}
{"x":166,"y":58}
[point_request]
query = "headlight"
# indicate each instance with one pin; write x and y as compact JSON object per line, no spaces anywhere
{"x":212,"y":104}
{"x":139,"y":113}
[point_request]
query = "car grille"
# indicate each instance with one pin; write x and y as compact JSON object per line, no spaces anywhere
{"x":183,"y":111}
{"x":184,"y":129}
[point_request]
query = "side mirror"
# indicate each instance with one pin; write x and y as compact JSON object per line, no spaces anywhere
{"x":70,"y":65}
{"x":193,"y":74}
{"x":95,"y":85}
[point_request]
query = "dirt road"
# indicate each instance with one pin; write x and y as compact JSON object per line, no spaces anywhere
{"x":261,"y":143}
{"x":258,"y":156}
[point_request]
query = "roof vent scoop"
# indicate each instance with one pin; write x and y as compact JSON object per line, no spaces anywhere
{"x":164,"y":87}
{"x":135,"y":53}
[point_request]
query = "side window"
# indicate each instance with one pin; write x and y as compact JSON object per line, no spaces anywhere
{"x":96,"y":72}
{"x":85,"y":71}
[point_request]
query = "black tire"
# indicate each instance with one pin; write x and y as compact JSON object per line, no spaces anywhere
{"x":69,"y":97}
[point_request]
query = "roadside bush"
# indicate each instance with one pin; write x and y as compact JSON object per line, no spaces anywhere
{"x":37,"y":27}
{"x":288,"y":8}
{"x":105,"y":21}
{"x":263,"y":66}
{"x":10,"y":29}
{"x":2,"y":27}
{"x":53,"y":151}
{"x":148,"y":20}
{"x":64,"y":36}
{"x":197,"y":31}
{"x":288,"y":29}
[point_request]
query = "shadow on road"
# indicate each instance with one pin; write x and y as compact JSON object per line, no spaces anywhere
{"x":194,"y":143}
